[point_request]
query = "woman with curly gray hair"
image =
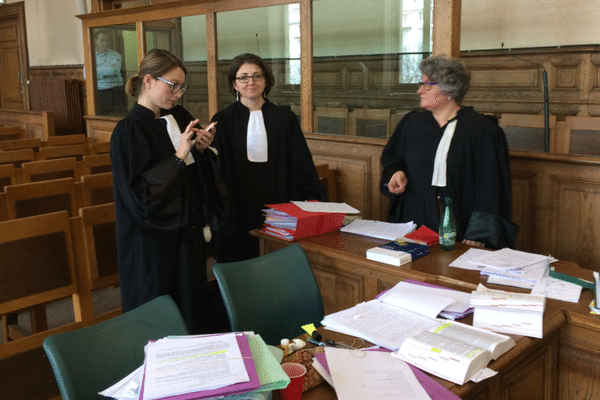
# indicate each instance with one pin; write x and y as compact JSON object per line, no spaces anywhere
{"x":448,"y":150}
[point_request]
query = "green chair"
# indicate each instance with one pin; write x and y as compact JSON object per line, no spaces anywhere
{"x":273,"y":295}
{"x":91,"y":359}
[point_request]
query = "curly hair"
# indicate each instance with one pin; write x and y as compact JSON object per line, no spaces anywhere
{"x":451,"y":76}
{"x":249,"y":58}
{"x":156,"y":62}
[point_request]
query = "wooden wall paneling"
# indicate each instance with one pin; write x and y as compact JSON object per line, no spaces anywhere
{"x":579,"y":350}
{"x":576,"y":228}
{"x":534,"y":377}
{"x":37,"y":124}
{"x":523,"y":207}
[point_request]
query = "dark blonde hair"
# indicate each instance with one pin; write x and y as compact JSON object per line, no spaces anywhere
{"x":249,"y":58}
{"x":156,"y":62}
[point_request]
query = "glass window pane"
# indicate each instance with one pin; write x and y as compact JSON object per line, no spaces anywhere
{"x":271,"y":33}
{"x":366,"y":61}
{"x":115,"y":56}
{"x":186,"y":38}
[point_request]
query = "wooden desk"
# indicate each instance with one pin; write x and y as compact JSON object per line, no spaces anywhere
{"x":554,"y":367}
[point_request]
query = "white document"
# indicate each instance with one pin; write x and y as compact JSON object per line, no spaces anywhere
{"x":128,"y":387}
{"x":373,"y":375}
{"x":379,"y":229}
{"x":322,"y":206}
{"x":557,"y":289}
{"x":425,"y":300}
{"x":190,"y":364}
{"x":381,"y":324}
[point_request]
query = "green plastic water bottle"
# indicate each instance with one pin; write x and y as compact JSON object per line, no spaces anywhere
{"x":448,"y":226}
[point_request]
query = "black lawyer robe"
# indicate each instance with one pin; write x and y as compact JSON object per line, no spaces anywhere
{"x":159,"y":214}
{"x":289,"y":174}
{"x":478,"y":176}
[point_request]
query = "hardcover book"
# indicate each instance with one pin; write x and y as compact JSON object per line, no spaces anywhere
{"x":397,"y":252}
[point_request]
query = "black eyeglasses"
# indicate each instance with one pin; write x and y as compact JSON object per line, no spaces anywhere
{"x":426,"y":85}
{"x":246,"y":78}
{"x":174,"y":87}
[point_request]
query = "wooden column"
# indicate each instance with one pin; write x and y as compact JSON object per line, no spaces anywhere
{"x":306,"y":62}
{"x":446,"y":28}
{"x":212,"y":63}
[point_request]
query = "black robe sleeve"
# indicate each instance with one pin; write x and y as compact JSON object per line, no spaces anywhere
{"x":148,"y":179}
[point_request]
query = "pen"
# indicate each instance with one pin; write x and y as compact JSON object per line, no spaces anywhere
{"x":316,"y":342}
{"x":339,"y":345}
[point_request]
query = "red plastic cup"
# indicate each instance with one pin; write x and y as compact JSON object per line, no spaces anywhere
{"x":296,"y":372}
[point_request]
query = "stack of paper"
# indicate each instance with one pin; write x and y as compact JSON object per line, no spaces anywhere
{"x":397,"y":314}
{"x":507,"y":312}
{"x":204,"y":367}
{"x":296,"y":220}
{"x":379,"y":229}
{"x":506,"y":266}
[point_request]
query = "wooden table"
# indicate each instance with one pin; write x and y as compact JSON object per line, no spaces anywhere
{"x":554,"y":367}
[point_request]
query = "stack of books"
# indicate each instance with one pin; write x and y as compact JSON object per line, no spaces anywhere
{"x":287,"y":221}
{"x":203,"y":367}
{"x":508,"y":312}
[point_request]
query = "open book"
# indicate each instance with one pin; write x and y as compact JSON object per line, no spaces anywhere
{"x":447,"y":357}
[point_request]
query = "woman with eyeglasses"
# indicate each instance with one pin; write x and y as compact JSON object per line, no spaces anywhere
{"x":164,"y":175}
{"x":449,"y":150}
{"x":264,"y":156}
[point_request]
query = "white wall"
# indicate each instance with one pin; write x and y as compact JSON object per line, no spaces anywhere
{"x":54,"y":33}
{"x":529,"y":23}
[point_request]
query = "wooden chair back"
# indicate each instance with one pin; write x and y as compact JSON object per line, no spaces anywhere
{"x":34,"y":198}
{"x":37,"y":267}
{"x":74,"y":150}
{"x":18,"y":144}
{"x":97,"y":189}
{"x":65,"y":140}
{"x":16,"y":157}
{"x":96,"y":251}
{"x":95,"y":164}
{"x":526,"y":131}
{"x":579,"y":136}
{"x":44,"y":170}
{"x":327,"y":180}
{"x":7,"y":176}
{"x":100,"y":148}
{"x":374,"y":123}
{"x":11,"y":133}
{"x":330,"y":120}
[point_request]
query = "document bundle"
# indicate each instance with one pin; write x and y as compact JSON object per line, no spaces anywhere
{"x":403,"y":320}
{"x":203,"y":367}
{"x":289,"y":221}
{"x":506,"y":266}
{"x":507,"y":312}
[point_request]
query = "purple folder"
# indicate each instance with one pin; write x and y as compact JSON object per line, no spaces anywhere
{"x":433,"y":388}
{"x":241,"y":387}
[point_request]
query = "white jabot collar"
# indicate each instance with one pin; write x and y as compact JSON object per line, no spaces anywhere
{"x":256,"y":139}
{"x":175,"y":135}
{"x":441,"y":156}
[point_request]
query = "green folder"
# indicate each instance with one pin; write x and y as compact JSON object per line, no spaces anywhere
{"x":271,"y":376}
{"x":563,"y":277}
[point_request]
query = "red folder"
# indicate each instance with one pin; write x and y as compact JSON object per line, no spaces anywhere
{"x":308,"y":223}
